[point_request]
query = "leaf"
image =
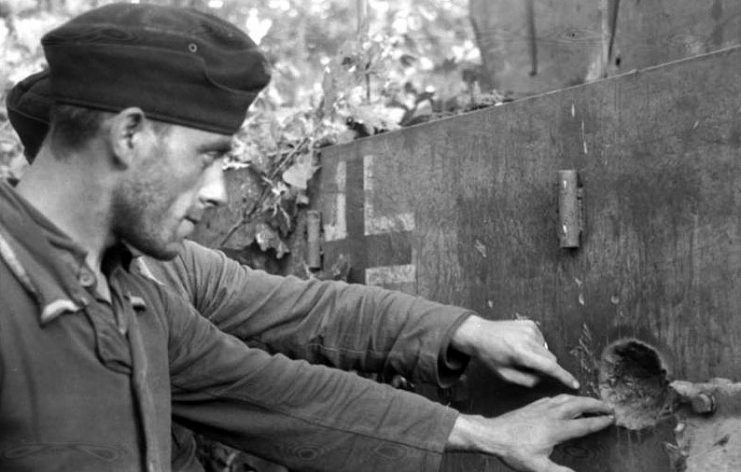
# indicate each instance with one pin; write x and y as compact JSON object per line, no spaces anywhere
{"x":376,"y":117}
{"x":302,"y":198}
{"x":299,"y":174}
{"x":267,"y":238}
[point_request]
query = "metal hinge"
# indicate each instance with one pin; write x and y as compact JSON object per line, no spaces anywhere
{"x":570,"y":209}
{"x":313,"y":240}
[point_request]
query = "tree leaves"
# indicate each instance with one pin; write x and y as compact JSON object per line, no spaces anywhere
{"x":340,"y":72}
{"x":268,"y":238}
{"x":299,"y":174}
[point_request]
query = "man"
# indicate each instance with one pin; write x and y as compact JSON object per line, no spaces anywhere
{"x":294,"y":317}
{"x":142,"y":172}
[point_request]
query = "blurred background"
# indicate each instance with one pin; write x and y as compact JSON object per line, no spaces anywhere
{"x":351,"y":67}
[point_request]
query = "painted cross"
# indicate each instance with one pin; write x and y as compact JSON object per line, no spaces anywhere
{"x":379,"y":246}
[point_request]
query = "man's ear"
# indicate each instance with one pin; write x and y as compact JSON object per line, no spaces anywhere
{"x":130,"y":132}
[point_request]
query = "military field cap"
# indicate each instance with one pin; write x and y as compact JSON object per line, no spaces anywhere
{"x":179,"y":65}
{"x":29,"y":103}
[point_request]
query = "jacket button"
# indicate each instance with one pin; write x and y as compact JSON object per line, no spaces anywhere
{"x":87,"y":279}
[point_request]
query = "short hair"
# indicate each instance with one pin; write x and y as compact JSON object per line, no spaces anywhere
{"x":72,"y":126}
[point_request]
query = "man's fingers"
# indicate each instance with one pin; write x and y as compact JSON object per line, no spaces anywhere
{"x":518,"y":377}
{"x":546,"y":465}
{"x":532,"y":329}
{"x":578,"y":406}
{"x":558,"y":468}
{"x":544,"y":352}
{"x":583,"y":426}
{"x":553,"y":467}
{"x":550,"y":367}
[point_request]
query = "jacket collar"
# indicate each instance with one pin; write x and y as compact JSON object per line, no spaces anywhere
{"x":42,"y":256}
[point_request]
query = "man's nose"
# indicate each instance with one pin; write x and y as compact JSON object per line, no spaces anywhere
{"x":213,"y":192}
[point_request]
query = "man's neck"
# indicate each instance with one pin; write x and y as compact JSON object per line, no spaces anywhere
{"x":75,"y":199}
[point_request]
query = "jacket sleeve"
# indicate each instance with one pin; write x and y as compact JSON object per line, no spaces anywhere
{"x":348,"y":326}
{"x":307,"y":417}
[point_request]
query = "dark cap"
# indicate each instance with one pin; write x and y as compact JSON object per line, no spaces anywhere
{"x":29,"y":103}
{"x":179,"y":65}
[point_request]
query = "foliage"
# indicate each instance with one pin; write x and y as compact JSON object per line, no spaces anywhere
{"x":341,"y":70}
{"x":367,"y":80}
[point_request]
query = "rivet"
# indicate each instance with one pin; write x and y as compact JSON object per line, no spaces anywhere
{"x":192,"y":47}
{"x":704,"y":404}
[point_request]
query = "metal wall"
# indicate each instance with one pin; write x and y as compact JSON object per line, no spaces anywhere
{"x":465,"y":211}
{"x":533,"y":46}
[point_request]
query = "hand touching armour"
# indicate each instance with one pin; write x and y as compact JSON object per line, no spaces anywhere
{"x":524,"y":438}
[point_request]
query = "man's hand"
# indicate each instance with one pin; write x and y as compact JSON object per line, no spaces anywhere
{"x":516,"y":350}
{"x":524,"y":438}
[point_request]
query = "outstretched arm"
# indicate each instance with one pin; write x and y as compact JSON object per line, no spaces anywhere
{"x":348,"y":326}
{"x":307,"y":417}
{"x":355,"y":327}
{"x":316,"y":418}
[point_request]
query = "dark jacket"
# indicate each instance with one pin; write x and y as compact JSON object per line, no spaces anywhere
{"x":87,"y":386}
{"x":348,"y":326}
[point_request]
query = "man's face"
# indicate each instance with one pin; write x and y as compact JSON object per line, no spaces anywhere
{"x":168,"y":188}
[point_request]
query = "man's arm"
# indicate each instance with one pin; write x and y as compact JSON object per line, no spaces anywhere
{"x":307,"y":417}
{"x":351,"y":327}
{"x":355,"y":327}
{"x":316,"y":418}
